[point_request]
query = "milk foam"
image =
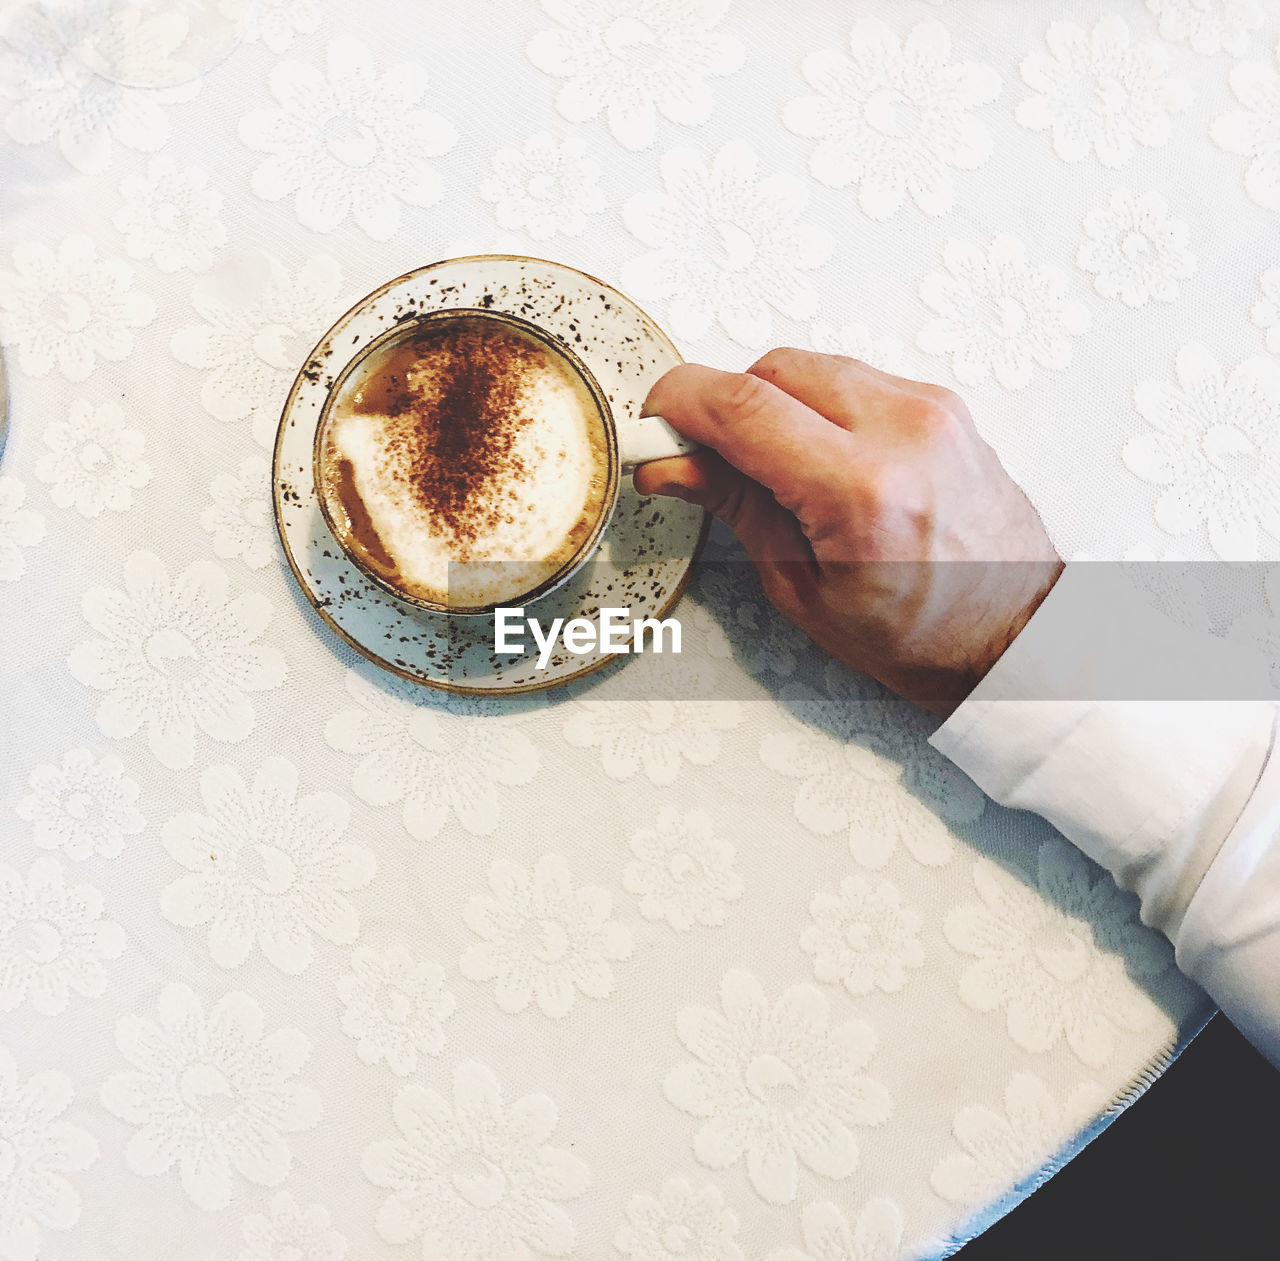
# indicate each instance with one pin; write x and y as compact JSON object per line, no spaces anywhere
{"x":535,"y":513}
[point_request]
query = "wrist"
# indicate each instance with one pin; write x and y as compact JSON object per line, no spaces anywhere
{"x":943,"y":688}
{"x":1039,"y":580}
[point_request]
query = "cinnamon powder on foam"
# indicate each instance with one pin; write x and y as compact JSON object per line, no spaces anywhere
{"x":465,"y":420}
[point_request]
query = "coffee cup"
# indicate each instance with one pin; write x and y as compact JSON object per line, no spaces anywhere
{"x":467,"y":459}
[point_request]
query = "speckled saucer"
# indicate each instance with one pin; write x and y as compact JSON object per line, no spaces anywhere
{"x":646,"y":553}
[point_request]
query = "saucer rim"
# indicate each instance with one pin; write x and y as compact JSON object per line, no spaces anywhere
{"x":443,"y":685}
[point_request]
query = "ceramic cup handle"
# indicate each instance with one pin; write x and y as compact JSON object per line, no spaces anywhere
{"x":645,"y":438}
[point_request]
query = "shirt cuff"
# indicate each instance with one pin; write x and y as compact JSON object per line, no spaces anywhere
{"x":1069,"y":724}
{"x":1230,"y":936}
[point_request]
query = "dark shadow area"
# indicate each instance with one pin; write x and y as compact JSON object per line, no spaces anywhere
{"x":1190,"y":1172}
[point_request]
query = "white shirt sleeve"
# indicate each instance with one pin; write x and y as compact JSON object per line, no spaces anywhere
{"x":1179,"y":799}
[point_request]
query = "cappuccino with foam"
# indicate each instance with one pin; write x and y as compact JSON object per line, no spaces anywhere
{"x":465,"y":464}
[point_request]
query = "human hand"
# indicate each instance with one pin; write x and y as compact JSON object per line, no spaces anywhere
{"x":878,"y":519}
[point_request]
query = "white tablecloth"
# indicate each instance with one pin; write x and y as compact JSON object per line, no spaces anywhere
{"x":294,"y":956}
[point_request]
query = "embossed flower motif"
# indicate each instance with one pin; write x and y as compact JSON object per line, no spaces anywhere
{"x":1209,"y":26}
{"x":210,"y":1092}
{"x":657,"y":736}
{"x":260,"y":323}
{"x":1136,"y":250}
{"x":1176,"y":588}
{"x":1000,"y":1149}
{"x":740,"y":623}
{"x":894,"y":117}
{"x":544,"y":939}
{"x":1254,"y":131}
{"x":274,"y":23}
{"x":634,"y":59}
{"x":854,"y":752}
{"x":858,"y":341}
{"x":348,"y":141}
{"x":171,"y":216}
{"x":1065,"y":959}
{"x":864,"y":938}
{"x":776,"y":1084}
{"x":438,"y":757}
{"x":239,"y":516}
{"x":475,"y":1178}
{"x":67,"y":307}
{"x":1100,"y":93}
{"x":58,"y":97}
{"x":53,"y":940}
{"x":1266,"y":313}
{"x":395,"y":1006}
{"x":267,"y":868}
{"x":679,"y":1223}
{"x":36,"y":1150}
{"x":726,"y":245}
{"x":175,"y":656}
{"x":544,"y":187}
{"x":875,"y":1236}
{"x":683,"y":872}
{"x":82,"y":806}
{"x":292,"y":1233}
{"x":1215,"y":444}
{"x":998,"y":314}
{"x":94,"y":460}
{"x":1259,"y":629}
{"x":19,"y":527}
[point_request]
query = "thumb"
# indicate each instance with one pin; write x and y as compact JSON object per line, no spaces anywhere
{"x":770,"y":534}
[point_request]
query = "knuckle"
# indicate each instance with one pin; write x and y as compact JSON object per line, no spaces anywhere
{"x":781,"y":361}
{"x":949,"y":401}
{"x":927,"y":418}
{"x":747,"y":397}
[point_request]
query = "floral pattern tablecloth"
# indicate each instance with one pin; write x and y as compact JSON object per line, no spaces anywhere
{"x":299,"y":961}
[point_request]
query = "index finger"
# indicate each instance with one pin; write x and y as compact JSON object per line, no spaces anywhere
{"x":853,"y":394}
{"x":760,"y":429}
